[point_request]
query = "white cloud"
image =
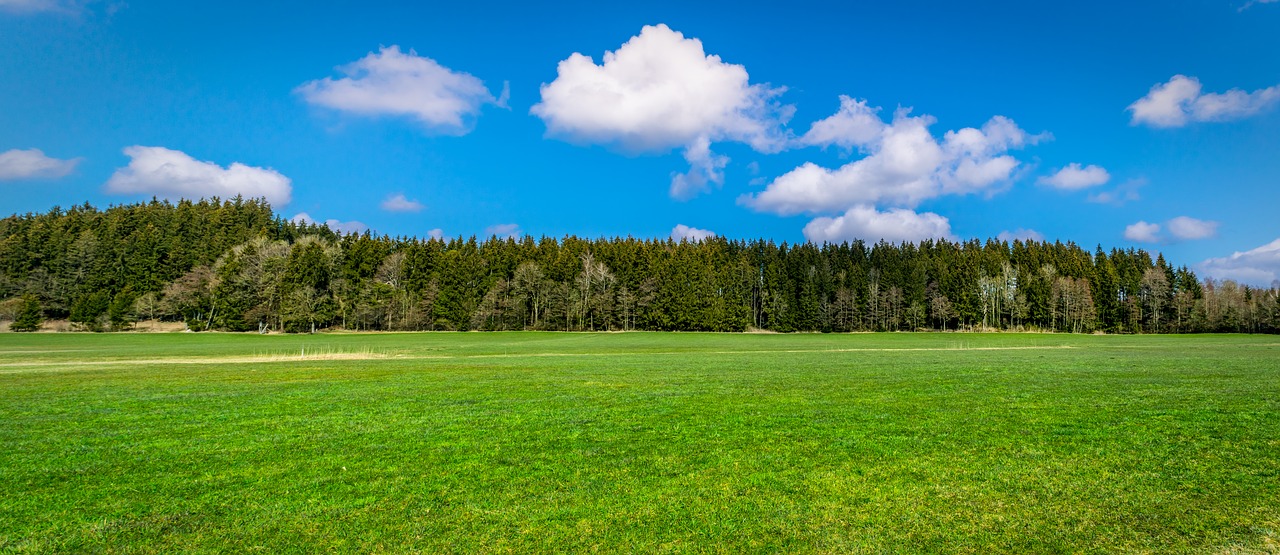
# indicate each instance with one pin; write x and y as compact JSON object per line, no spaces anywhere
{"x":390,"y":82}
{"x":1188,"y":229}
{"x":503,"y":230}
{"x":705,"y":167}
{"x":436,"y":233}
{"x":1124,"y":193}
{"x":341,"y":227}
{"x":661,"y":91}
{"x":906,"y":164}
{"x":1181,"y":228}
{"x":1260,"y":266}
{"x":683,"y":232}
{"x":33,"y":164}
{"x":1180,"y":101}
{"x":399,"y":203}
{"x":1020,"y":234}
{"x":66,"y":7}
{"x":1142,"y":232}
{"x":169,"y":173}
{"x":866,"y":223}
{"x":30,"y":5}
{"x":658,"y":91}
{"x":1073,"y":177}
{"x":1250,"y":4}
{"x":1165,"y":105}
{"x":854,"y":125}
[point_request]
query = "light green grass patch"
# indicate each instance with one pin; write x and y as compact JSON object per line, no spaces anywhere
{"x":468,"y":442}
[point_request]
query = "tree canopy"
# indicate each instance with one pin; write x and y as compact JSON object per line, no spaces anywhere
{"x":235,"y":265}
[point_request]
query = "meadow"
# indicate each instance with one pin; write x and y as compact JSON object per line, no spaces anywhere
{"x":639,"y":442}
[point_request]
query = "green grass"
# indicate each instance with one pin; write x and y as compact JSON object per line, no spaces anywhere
{"x":639,"y":442}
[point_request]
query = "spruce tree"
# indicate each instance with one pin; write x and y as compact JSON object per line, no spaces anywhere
{"x":29,"y":316}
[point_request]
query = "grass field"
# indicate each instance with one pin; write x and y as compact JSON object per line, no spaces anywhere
{"x":644,"y":442}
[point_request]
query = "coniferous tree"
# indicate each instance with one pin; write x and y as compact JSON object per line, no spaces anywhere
{"x":29,"y":316}
{"x":234,"y":265}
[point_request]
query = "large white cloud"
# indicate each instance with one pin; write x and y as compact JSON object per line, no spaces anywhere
{"x":393,"y":83}
{"x":1180,"y":101}
{"x":1073,"y":177}
{"x":683,"y":232}
{"x":33,"y":164}
{"x":1260,"y":266}
{"x":339,"y":226}
{"x":172,"y":174}
{"x":854,"y":125}
{"x":905,"y":165}
{"x":868,"y":224}
{"x":661,"y":91}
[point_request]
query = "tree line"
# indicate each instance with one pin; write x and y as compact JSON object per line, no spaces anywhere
{"x":234,"y":265}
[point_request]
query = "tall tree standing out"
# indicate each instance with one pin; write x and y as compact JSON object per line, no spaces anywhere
{"x":1155,"y":291}
{"x":940,"y":308}
{"x":532,"y":288}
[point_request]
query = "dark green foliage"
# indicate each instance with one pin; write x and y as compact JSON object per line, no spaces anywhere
{"x":120,"y":312}
{"x":235,"y":266}
{"x":67,"y":255}
{"x":89,"y":309}
{"x":29,"y":316}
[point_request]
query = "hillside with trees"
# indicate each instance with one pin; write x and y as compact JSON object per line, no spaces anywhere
{"x":234,"y":265}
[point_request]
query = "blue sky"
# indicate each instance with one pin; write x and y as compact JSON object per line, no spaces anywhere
{"x":1164,"y":116}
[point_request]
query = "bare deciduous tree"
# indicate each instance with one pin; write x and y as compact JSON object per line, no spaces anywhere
{"x":1155,"y":290}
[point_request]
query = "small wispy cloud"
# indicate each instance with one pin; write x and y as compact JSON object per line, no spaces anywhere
{"x":33,"y":164}
{"x":339,"y":226}
{"x":1073,"y":177}
{"x":399,"y":203}
{"x":1181,"y":101}
{"x":1122,"y":194}
{"x":511,"y":231}
{"x":1142,"y":232}
{"x":1251,"y":3}
{"x":1190,"y":229}
{"x":1020,"y":234}
{"x":1181,"y":228}
{"x":683,"y":232}
{"x":35,"y":6}
{"x":59,"y":7}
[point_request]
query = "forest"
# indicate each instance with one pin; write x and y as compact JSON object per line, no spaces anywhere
{"x":235,"y":265}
